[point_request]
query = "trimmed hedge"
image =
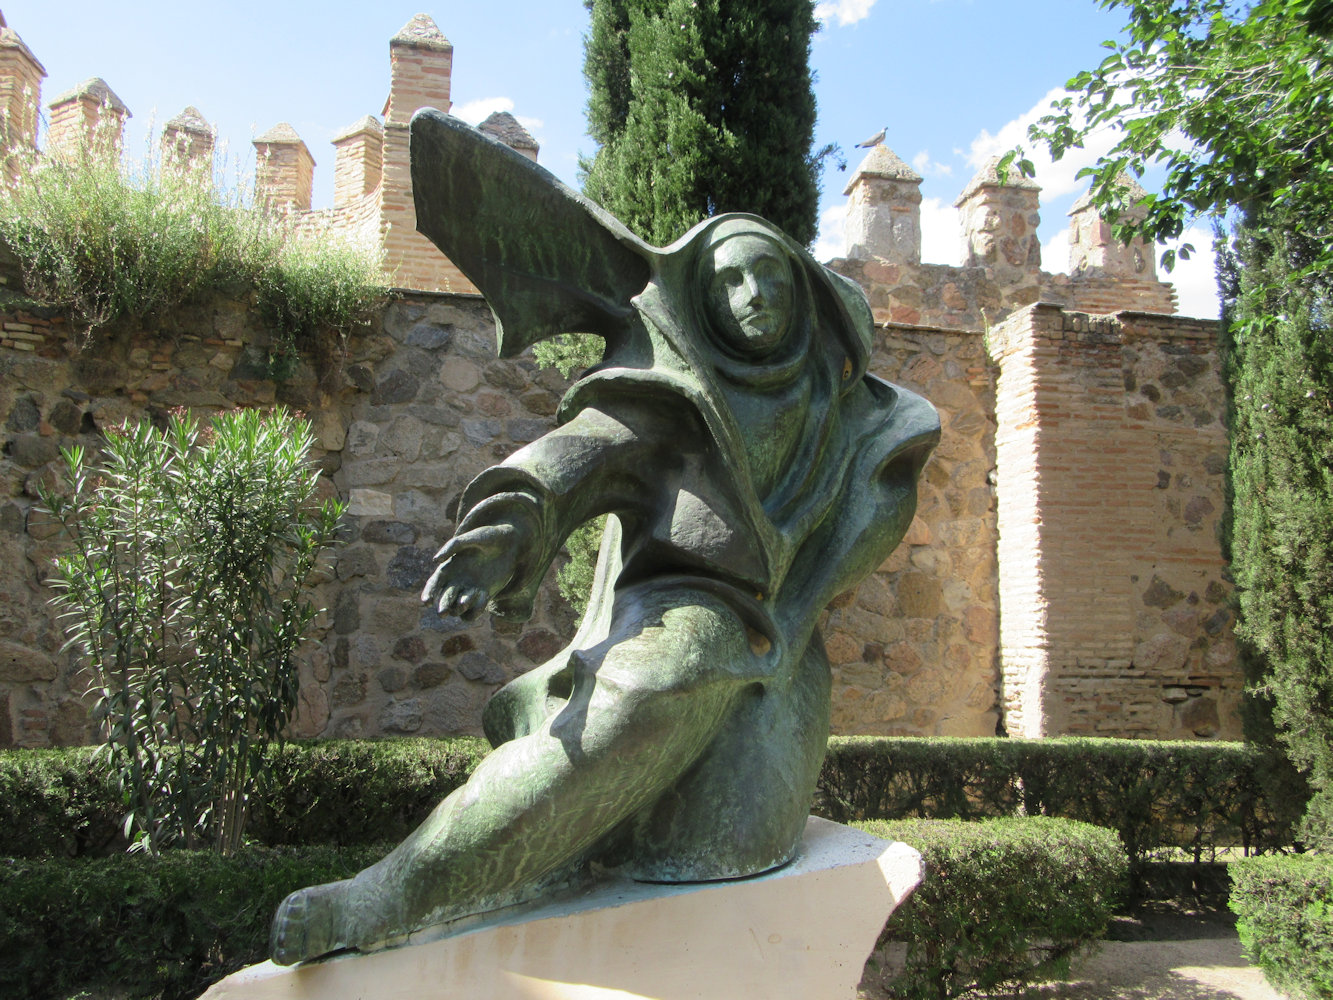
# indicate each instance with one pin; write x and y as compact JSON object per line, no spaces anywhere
{"x":135,"y":925}
{"x":1004,"y":902}
{"x":63,"y":803}
{"x":58,"y":803}
{"x":1284,"y":910}
{"x":1192,"y":796}
{"x":359,"y":791}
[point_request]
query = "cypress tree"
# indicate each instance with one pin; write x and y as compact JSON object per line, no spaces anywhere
{"x":701,"y":107}
{"x":1279,"y":353}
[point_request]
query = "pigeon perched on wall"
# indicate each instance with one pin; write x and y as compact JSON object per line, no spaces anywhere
{"x":874,"y":140}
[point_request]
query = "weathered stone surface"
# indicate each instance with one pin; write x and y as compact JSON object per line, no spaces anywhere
{"x":22,"y":664}
{"x":396,"y":387}
{"x":408,"y":568}
{"x":389,"y":533}
{"x":411,"y":648}
{"x":24,"y":415}
{"x":401,"y":717}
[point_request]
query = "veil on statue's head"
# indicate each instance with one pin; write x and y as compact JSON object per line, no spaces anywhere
{"x":825,"y":305}
{"x":550,"y":262}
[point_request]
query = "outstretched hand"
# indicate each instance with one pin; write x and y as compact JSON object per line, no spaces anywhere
{"x":472,"y":567}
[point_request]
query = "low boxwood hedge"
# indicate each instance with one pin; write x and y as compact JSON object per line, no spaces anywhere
{"x":1004,"y":902}
{"x":1192,"y":796}
{"x":1284,"y":911}
{"x":63,"y":803}
{"x":134,"y":925}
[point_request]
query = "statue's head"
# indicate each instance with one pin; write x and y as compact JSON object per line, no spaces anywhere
{"x":748,"y":290}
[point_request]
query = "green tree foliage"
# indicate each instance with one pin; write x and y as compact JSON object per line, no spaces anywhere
{"x":701,"y":107}
{"x":1279,"y":351}
{"x":1231,"y":97}
{"x":185,"y":595}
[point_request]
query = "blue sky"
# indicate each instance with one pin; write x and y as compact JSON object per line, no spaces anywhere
{"x":953,"y":80}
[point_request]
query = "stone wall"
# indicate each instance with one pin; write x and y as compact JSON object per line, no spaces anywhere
{"x":422,"y":405}
{"x":915,"y":649}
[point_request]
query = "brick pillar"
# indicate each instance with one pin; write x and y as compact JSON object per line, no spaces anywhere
{"x":884,"y":210}
{"x":1000,"y":232}
{"x":20,"y":92}
{"x":284,"y":169}
{"x":89,"y":117}
{"x":359,"y":163}
{"x":506,"y":128}
{"x":188,"y":138}
{"x":421,"y":60}
{"x":1112,"y":589}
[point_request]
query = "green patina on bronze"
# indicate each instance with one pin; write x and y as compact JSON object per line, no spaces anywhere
{"x":751,"y":470}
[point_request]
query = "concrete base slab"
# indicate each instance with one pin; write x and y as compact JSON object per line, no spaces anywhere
{"x":803,"y":931}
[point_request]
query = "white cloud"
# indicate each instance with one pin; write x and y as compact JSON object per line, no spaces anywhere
{"x":941,"y":237}
{"x":926,"y":167}
{"x":832,"y":239}
{"x":1196,"y":279}
{"x":1055,"y":253}
{"x":846,"y":11}
{"x":1057,"y":179}
{"x":474,"y":112}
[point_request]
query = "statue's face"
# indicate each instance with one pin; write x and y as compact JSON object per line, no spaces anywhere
{"x":749,"y":294}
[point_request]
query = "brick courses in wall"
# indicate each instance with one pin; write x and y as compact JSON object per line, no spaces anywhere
{"x":1110,"y":463}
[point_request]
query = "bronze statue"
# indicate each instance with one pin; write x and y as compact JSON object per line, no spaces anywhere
{"x":751,"y":469}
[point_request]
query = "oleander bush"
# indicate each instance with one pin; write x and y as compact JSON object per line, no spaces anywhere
{"x":185,"y":587}
{"x":139,"y":926}
{"x":1160,"y":796}
{"x":1004,"y":902}
{"x":1284,"y":911}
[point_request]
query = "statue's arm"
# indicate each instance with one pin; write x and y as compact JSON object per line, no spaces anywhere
{"x":516,"y":515}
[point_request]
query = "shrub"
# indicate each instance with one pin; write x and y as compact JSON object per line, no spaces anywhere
{"x":149,"y":926}
{"x":1003,"y":902}
{"x":1156,"y":795}
{"x":348,"y":792}
{"x":58,"y":803}
{"x":1284,"y":910}
{"x":103,"y":239}
{"x":313,"y":292}
{"x":66,"y":802}
{"x":185,"y":596}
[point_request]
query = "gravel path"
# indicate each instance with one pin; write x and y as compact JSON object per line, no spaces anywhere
{"x":1193,"y":969}
{"x":1166,"y":956}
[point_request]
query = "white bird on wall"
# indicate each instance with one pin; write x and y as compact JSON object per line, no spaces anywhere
{"x":874,"y":140}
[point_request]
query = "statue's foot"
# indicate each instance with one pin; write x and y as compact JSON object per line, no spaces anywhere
{"x":309,"y":923}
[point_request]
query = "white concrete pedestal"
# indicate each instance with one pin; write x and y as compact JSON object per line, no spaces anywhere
{"x":802,"y":932}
